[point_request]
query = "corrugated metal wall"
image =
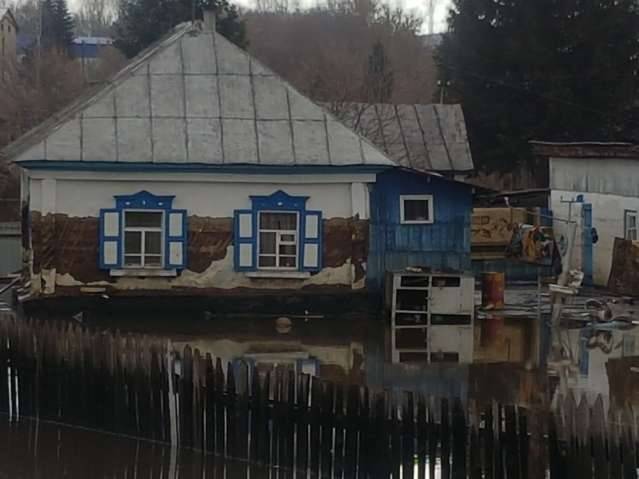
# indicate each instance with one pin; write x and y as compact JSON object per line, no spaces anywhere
{"x":10,"y":248}
{"x":445,"y":244}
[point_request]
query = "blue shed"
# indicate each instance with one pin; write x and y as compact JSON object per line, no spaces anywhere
{"x":418,"y":219}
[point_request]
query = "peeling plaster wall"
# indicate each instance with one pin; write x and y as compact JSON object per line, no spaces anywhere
{"x":65,"y":231}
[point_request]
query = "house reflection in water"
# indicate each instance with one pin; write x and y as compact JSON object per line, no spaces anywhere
{"x":359,"y":352}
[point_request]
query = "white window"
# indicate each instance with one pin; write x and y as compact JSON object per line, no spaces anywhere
{"x":278,"y":241}
{"x":416,"y":209}
{"x":143,"y":239}
{"x":630,"y":225}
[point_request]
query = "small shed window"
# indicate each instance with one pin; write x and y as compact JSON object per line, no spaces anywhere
{"x":630,"y":225}
{"x":416,"y":209}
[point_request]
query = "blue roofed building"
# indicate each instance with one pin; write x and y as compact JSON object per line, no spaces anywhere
{"x":90,"y":49}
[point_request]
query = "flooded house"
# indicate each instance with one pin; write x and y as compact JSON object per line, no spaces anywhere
{"x":196,"y":171}
{"x":593,"y":184}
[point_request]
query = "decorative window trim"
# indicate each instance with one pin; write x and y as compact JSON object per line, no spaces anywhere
{"x":309,"y":235}
{"x":431,"y":213}
{"x":174,"y":235}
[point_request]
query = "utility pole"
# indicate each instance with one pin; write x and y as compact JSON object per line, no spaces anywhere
{"x":442,"y":84}
{"x":432,"y":4}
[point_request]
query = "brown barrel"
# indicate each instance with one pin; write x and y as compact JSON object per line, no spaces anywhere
{"x":491,"y":327}
{"x":492,"y":290}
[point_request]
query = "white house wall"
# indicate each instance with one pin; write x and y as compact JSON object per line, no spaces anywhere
{"x":595,"y":175}
{"x":214,"y":196}
{"x":607,"y":218}
{"x":65,"y":208}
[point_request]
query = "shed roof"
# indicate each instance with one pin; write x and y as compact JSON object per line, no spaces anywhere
{"x":422,"y":137}
{"x":585,"y":149}
{"x":194,"y":98}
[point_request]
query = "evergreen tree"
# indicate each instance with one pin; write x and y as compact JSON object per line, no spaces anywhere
{"x":57,"y":25}
{"x":64,"y":24}
{"x":141,"y":22}
{"x":378,"y":86}
{"x":543,"y":69}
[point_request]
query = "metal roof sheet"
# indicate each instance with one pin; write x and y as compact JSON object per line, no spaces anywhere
{"x":195,"y":98}
{"x":422,"y":137}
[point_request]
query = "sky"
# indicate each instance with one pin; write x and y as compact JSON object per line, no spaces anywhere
{"x":419,"y":6}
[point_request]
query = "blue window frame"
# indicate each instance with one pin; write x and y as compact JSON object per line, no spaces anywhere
{"x":143,"y":231}
{"x":278,"y":233}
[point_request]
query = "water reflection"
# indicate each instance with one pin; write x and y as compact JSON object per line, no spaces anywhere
{"x":37,"y":449}
{"x":504,"y":359}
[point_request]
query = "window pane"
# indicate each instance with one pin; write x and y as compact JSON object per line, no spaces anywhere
{"x":416,"y":210}
{"x":133,"y":242}
{"x":267,"y":243}
{"x":132,"y":260}
{"x":152,"y":242}
{"x":144,"y":219}
{"x":267,"y":261}
{"x":288,"y":261}
{"x":289,"y":238}
{"x":152,"y":260}
{"x":278,"y":221}
{"x":288,"y":249}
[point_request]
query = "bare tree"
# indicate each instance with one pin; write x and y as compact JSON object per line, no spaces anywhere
{"x":325,"y":51}
{"x":95,"y":17}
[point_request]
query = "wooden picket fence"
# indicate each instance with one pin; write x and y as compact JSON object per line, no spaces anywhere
{"x":143,"y":387}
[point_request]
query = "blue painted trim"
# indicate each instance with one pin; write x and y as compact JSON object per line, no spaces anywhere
{"x":144,"y":200}
{"x":103,"y":238}
{"x":238,"y":240}
{"x":279,"y":200}
{"x":183,"y":238}
{"x":317,"y":241}
{"x":198,"y":167}
{"x":584,"y":354}
{"x":587,"y":248}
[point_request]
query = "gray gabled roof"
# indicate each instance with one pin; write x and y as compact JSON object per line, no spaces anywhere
{"x":195,"y":98}
{"x":6,"y":12}
{"x":421,"y":137}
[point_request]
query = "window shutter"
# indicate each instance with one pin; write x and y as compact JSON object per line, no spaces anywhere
{"x":244,"y":240}
{"x":312,"y":241}
{"x":110,"y":239}
{"x":176,"y":236}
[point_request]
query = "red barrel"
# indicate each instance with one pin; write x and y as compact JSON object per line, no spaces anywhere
{"x":492,"y":290}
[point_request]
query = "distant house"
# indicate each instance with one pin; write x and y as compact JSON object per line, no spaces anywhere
{"x":90,"y":49}
{"x":596,"y":185}
{"x":198,"y":172}
{"x":8,"y":34}
{"x":427,"y":138}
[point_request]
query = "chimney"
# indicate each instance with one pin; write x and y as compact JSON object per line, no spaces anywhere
{"x":210,"y":18}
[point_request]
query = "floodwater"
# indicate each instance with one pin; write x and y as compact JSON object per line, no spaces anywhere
{"x":31,"y":449}
{"x":511,"y":356}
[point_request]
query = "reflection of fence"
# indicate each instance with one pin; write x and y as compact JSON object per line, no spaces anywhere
{"x":137,"y":386}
